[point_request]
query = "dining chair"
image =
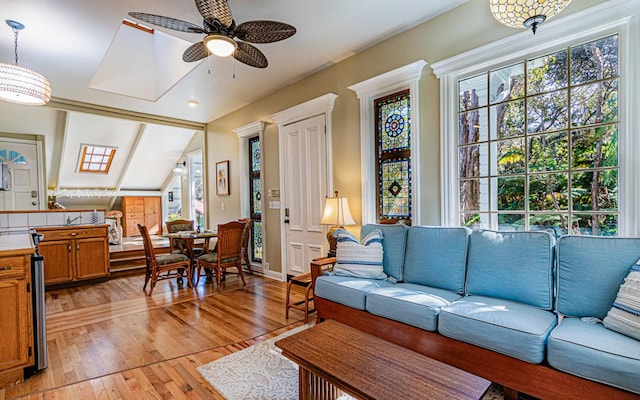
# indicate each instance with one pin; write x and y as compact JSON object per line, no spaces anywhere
{"x":162,"y":266}
{"x":228,"y":253}
{"x":246,"y":234}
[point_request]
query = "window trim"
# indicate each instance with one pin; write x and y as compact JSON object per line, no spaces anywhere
{"x":612,"y":17}
{"x":368,"y":91}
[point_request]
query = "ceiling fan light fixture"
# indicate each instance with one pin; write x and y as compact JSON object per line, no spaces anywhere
{"x":22,"y":85}
{"x":220,"y":45}
{"x":525,"y":13}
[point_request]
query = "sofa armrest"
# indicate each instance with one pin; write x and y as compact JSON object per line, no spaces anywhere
{"x":319,"y":265}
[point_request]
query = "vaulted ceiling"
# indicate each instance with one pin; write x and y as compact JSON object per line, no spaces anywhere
{"x":91,"y":57}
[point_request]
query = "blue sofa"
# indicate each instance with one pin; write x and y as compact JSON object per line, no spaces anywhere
{"x":516,"y":308}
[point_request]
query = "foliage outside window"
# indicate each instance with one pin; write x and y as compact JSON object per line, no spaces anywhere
{"x":538,"y":143}
{"x":255,"y":187}
{"x":393,"y":138}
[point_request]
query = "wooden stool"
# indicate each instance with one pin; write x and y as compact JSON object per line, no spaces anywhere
{"x":302,"y":305}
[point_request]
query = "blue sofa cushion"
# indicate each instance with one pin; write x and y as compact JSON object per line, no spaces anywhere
{"x":346,"y":290}
{"x":411,"y":304}
{"x":394,"y":243}
{"x":593,"y":352}
{"x":514,"y":266}
{"x":624,"y":316}
{"x":515,"y":329}
{"x":359,"y":259}
{"x":436,"y":257}
{"x":590,"y":272}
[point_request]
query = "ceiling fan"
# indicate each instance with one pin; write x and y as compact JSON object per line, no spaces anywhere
{"x":220,"y":30}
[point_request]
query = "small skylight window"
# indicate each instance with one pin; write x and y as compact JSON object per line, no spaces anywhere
{"x":96,"y":159}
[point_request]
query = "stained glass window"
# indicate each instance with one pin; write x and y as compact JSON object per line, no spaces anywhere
{"x":255,"y":185}
{"x":393,"y":138}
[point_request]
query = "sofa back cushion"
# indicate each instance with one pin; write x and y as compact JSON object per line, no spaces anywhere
{"x":590,"y":272}
{"x":515,"y":266}
{"x":394,"y":243}
{"x":436,"y":257}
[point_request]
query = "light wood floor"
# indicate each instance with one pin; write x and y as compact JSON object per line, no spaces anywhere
{"x":111,"y":341}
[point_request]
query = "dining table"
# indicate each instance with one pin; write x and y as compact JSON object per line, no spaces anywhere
{"x":185,"y":241}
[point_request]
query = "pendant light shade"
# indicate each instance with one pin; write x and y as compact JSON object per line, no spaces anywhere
{"x":525,"y":13}
{"x":22,"y":85}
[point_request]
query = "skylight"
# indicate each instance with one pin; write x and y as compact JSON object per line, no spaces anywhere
{"x":96,"y":159}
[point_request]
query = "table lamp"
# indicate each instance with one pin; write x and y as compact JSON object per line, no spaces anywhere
{"x":337,"y":214}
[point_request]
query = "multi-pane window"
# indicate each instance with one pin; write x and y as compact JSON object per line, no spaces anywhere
{"x":255,"y":186}
{"x":96,"y":158}
{"x":538,"y":143}
{"x":393,"y":138}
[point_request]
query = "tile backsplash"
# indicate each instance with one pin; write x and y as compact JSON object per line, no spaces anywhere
{"x":17,"y":222}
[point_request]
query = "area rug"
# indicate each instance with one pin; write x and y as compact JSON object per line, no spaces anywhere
{"x":261,"y":372}
{"x":258,"y":372}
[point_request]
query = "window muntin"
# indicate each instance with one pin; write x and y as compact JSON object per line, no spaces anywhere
{"x":96,"y":159}
{"x":255,"y":187}
{"x":393,"y":163}
{"x":539,"y":149}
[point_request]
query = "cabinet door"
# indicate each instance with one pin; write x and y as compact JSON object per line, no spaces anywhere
{"x":15,"y":319}
{"x":152,"y":215}
{"x":57,"y":255}
{"x":91,"y":258}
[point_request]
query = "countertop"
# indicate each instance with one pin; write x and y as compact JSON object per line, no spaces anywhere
{"x":16,"y":245}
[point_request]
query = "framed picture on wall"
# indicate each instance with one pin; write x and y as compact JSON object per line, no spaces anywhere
{"x":222,"y":178}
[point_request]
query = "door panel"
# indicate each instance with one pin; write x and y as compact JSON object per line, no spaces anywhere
{"x":305,"y":187}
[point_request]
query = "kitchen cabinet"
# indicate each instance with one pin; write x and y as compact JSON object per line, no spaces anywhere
{"x":143,"y":210}
{"x":16,"y":335}
{"x":74,"y":253}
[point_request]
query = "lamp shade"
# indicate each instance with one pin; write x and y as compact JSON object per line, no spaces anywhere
{"x":220,"y":45}
{"x":337,"y":212}
{"x":23,"y":86}
{"x":525,"y":13}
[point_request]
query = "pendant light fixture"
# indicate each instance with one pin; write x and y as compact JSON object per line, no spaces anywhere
{"x":525,"y":13}
{"x":22,"y":85}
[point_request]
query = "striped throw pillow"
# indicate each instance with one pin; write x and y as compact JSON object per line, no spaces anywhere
{"x":359,"y":259}
{"x":624,"y":316}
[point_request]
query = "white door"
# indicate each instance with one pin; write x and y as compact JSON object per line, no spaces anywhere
{"x":305,"y":187}
{"x":23,"y":191}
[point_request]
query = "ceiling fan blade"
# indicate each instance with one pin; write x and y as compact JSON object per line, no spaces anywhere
{"x":264,"y":31}
{"x":215,"y":9}
{"x":195,"y":52}
{"x":167,"y":22}
{"x":250,"y":55}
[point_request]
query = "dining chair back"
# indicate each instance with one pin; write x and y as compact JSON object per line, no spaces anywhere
{"x":180,"y":245}
{"x":246,"y":234}
{"x":163,"y":266}
{"x":228,"y":253}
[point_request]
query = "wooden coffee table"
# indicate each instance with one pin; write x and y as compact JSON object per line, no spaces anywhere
{"x":333,"y":355}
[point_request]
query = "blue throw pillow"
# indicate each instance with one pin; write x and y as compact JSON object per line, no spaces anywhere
{"x":624,"y":316}
{"x":359,"y":259}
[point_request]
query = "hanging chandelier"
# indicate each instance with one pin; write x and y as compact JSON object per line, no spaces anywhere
{"x":525,"y":13}
{"x":22,"y":85}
